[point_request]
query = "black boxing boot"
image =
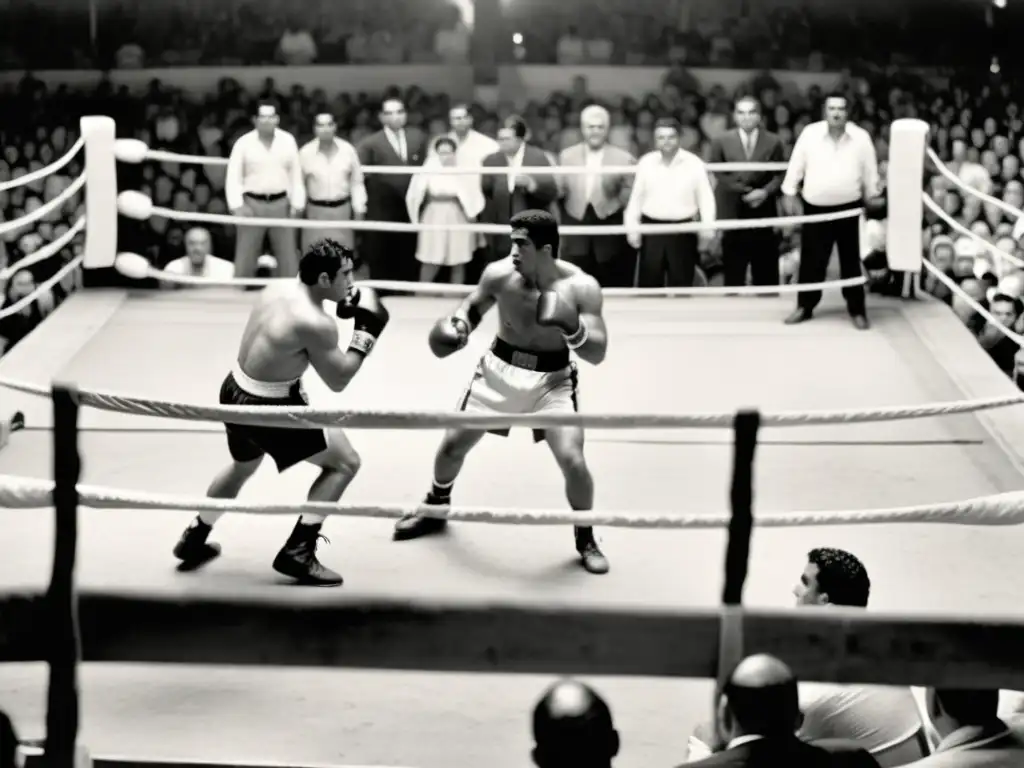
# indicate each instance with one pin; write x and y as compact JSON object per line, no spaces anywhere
{"x":297,"y":558}
{"x":193,"y":549}
{"x":416,"y":526}
{"x":591,"y":556}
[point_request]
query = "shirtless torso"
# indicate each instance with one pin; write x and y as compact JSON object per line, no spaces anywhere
{"x":275,"y":342}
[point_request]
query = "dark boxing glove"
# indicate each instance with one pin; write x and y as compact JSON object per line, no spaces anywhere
{"x":371,"y":317}
{"x":449,"y":334}
{"x":346,"y":308}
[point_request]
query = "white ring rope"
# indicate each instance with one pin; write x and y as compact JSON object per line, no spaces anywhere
{"x":944,"y":170}
{"x":139,"y":206}
{"x":53,"y":167}
{"x":45,"y":208}
{"x":309,"y":417}
{"x":934,"y":207}
{"x":1001,"y":509}
{"x":446,"y":289}
{"x":42,"y":288}
{"x":48,"y":250}
{"x":948,"y":282}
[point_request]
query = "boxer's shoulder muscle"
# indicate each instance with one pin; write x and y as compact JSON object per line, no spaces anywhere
{"x":497,"y":276}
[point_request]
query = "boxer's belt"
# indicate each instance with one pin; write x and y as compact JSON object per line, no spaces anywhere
{"x":329,"y":203}
{"x":442,"y":198}
{"x":275,"y":390}
{"x":543,"y":362}
{"x":266,"y":198}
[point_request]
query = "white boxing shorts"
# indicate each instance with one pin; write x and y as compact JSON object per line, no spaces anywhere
{"x":510,"y":380}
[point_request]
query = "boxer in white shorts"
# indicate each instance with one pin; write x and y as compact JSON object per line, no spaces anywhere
{"x":547,"y":310}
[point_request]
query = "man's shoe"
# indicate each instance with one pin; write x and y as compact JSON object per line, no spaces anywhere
{"x":860,"y":322}
{"x":297,"y":558}
{"x":416,"y":526}
{"x":800,"y":315}
{"x":591,"y":556}
{"x":193,"y":550}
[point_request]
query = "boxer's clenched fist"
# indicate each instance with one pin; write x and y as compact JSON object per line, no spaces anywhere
{"x":449,"y":335}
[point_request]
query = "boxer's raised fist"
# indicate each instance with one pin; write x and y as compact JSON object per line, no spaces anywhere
{"x":346,"y":308}
{"x":447,"y":336}
{"x":554,"y":310}
{"x":371,"y":318}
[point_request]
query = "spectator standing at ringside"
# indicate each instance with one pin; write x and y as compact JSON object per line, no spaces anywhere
{"x":597,"y":199}
{"x":334,"y":183}
{"x":391,"y":255}
{"x":671,"y":186}
{"x":833,"y":168}
{"x":748,"y":195}
{"x":264,"y":180}
{"x":471,"y":149}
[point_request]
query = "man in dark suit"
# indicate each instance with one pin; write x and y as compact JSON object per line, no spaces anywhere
{"x":758,"y":716}
{"x":390,"y":255}
{"x":748,"y":195}
{"x":509,"y":193}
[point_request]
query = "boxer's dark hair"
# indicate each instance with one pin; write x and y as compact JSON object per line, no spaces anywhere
{"x":323,"y":257}
{"x":540,"y":226}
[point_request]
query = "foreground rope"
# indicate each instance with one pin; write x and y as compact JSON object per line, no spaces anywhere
{"x":1002,"y":509}
{"x":306,"y":417}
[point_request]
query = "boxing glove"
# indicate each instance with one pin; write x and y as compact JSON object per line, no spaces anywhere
{"x":554,"y":312}
{"x":371,"y":317}
{"x":449,"y":334}
{"x":346,"y":308}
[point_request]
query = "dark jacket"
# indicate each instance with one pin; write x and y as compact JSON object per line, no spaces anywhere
{"x":501,"y":205}
{"x":732,"y":185}
{"x":789,"y":751}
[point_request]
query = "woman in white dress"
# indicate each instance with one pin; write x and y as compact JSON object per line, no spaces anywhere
{"x":443,"y":199}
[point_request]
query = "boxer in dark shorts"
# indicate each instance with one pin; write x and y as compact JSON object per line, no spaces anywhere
{"x":287,"y":332}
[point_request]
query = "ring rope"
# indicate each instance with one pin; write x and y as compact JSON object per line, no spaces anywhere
{"x":948,"y":282}
{"x":991,"y":248}
{"x":44,"y":253}
{"x":138,"y":206}
{"x":446,"y":289}
{"x":1000,"y":509}
{"x":45,"y":208}
{"x":965,"y":187}
{"x":53,"y":167}
{"x":42,"y":288}
{"x":308,"y":417}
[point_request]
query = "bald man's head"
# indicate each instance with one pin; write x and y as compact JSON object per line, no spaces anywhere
{"x":760,"y":697}
{"x":572,"y":723}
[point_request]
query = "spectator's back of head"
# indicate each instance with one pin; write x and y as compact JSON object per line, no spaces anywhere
{"x":572,"y":727}
{"x":760,"y":697}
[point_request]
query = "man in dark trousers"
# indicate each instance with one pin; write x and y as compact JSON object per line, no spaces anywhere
{"x":833,"y":168}
{"x":390,"y":255}
{"x":748,"y":195}
{"x":509,"y":193}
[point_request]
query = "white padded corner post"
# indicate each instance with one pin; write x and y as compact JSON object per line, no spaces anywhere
{"x":100,"y":192}
{"x":908,"y":139}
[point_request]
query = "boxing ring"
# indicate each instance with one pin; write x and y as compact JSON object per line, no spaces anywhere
{"x":909,"y":427}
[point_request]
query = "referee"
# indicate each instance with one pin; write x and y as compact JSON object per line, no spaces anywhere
{"x":833,"y":168}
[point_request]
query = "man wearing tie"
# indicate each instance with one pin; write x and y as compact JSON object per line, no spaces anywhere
{"x":597,"y":199}
{"x":671,"y":186}
{"x":509,"y":193}
{"x":471,"y":149}
{"x":748,"y":195}
{"x":264,"y":180}
{"x":334,"y":183}
{"x":391,"y":255}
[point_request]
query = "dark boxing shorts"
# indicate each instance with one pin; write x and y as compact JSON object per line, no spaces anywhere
{"x":287,"y":447}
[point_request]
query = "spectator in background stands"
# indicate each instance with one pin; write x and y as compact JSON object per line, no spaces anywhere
{"x":1001,"y":348}
{"x":748,"y":195}
{"x":16,"y":325}
{"x":296,"y":47}
{"x":573,"y":728}
{"x":334,"y":183}
{"x":597,"y":199}
{"x":264,"y":180}
{"x":671,"y":186}
{"x":199,"y":260}
{"x":391,"y":255}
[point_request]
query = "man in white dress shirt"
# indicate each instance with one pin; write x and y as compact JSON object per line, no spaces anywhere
{"x":264,"y":180}
{"x":471,"y":147}
{"x":833,"y":168}
{"x":198,"y":260}
{"x":335,"y":189}
{"x":671,"y":186}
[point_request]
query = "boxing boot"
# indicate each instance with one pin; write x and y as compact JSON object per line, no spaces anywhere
{"x":297,"y":558}
{"x":591,"y":556}
{"x":193,"y":549}
{"x":415,"y":526}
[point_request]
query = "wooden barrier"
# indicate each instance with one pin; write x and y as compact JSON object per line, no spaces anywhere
{"x":826,"y":644}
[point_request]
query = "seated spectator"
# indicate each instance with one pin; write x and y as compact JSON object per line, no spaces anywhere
{"x":198,"y":260}
{"x":16,"y":326}
{"x":970,"y":732}
{"x":572,"y":728}
{"x":975,"y":290}
{"x":1001,"y":348}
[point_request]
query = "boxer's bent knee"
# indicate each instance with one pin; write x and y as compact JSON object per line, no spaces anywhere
{"x":457,"y":443}
{"x":339,"y":456}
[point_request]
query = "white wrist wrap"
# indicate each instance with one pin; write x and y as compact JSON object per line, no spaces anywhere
{"x":579,"y":338}
{"x":362,"y":342}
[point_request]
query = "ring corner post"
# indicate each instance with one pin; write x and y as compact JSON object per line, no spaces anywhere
{"x":908,"y":141}
{"x":100,"y":135}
